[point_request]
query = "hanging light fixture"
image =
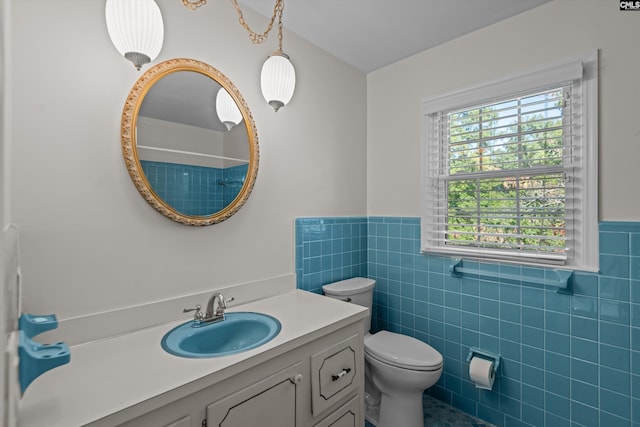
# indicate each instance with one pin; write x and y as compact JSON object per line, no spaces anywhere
{"x":227,"y":110}
{"x":278,"y":77}
{"x":277,"y":80}
{"x":136,"y":29}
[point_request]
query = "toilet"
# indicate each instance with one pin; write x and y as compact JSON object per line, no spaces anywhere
{"x":398,"y":368}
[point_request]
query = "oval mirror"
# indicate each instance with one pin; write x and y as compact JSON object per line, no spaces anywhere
{"x":189,"y":142}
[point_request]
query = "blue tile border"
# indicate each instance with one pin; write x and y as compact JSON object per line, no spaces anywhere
{"x":620,"y":226}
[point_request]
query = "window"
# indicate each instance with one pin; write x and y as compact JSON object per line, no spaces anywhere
{"x":510,"y":169}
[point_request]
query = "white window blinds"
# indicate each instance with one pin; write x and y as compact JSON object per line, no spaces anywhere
{"x":503,"y":179}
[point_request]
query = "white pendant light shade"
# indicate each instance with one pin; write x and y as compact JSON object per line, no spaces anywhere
{"x":228,"y":112}
{"x":278,"y":80}
{"x":136,"y":29}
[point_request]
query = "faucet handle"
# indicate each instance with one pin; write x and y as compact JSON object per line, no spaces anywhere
{"x":198,"y":316}
{"x":222,"y":304}
{"x":224,"y":301}
{"x":196,"y":308}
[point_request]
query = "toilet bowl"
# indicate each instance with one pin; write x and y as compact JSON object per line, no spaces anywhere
{"x":401,"y":368}
{"x":398,"y":368}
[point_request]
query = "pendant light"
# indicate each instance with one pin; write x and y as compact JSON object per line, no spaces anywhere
{"x":227,"y":110}
{"x":277,"y":80}
{"x":136,"y":29}
{"x":278,"y":77}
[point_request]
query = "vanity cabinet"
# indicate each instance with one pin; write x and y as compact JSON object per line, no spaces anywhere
{"x":317,"y":382}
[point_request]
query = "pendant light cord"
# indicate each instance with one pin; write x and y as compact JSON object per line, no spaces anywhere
{"x":260,"y":38}
{"x":193,"y":5}
{"x":253,"y":36}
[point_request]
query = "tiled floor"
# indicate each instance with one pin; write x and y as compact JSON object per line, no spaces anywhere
{"x":438,"y":414}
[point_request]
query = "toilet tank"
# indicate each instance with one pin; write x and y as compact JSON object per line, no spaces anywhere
{"x":358,"y":290}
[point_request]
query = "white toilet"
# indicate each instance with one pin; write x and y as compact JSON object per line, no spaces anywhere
{"x":398,"y":368}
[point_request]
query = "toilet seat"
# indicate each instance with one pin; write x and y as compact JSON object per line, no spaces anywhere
{"x":402,"y":351}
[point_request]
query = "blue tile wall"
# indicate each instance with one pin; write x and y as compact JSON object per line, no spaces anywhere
{"x":194,"y":190}
{"x":567,"y":360}
{"x":233,"y":180}
{"x":329,"y":249}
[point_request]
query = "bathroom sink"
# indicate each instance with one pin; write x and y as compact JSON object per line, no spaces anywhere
{"x":238,"y":332}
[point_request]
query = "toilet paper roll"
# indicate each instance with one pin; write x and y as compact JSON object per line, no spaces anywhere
{"x":481,"y":372}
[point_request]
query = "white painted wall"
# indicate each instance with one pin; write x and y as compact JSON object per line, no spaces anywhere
{"x":553,"y":31}
{"x":90,"y":243}
{"x":5,"y":325}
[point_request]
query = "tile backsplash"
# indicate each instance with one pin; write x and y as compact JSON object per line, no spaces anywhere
{"x":567,"y":360}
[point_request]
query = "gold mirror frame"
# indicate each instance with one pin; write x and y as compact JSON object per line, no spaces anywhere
{"x":130,"y":151}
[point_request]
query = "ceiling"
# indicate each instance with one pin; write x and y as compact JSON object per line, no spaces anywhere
{"x":370,"y":34}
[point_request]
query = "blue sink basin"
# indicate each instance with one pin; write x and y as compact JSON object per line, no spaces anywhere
{"x":238,"y":332}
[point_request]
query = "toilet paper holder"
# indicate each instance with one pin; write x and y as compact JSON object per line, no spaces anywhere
{"x":486,"y":355}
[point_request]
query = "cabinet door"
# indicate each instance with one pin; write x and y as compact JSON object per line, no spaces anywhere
{"x":347,"y":415}
{"x":182,"y":422}
{"x":270,"y":402}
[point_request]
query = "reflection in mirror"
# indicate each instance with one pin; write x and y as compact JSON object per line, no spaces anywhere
{"x":190,"y":158}
{"x":227,"y":110}
{"x":194,"y":144}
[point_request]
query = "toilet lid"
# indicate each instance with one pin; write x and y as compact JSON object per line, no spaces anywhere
{"x":355,"y":285}
{"x":402,"y":351}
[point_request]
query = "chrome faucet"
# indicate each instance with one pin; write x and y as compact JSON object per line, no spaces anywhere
{"x":215,"y":310}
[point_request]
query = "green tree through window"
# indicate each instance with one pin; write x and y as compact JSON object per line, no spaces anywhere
{"x":505,"y":185}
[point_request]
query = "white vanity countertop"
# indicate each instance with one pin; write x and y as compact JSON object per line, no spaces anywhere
{"x":116,"y":379}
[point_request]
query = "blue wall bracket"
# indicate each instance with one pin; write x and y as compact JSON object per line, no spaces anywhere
{"x":36,"y":358}
{"x":34,"y":325}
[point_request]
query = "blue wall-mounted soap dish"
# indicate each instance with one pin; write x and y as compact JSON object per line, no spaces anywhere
{"x":36,"y":358}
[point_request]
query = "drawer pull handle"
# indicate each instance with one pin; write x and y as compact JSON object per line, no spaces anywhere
{"x":341,"y":374}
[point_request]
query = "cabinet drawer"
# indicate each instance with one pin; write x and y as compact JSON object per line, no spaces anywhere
{"x":335,"y":373}
{"x":348,"y":415}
